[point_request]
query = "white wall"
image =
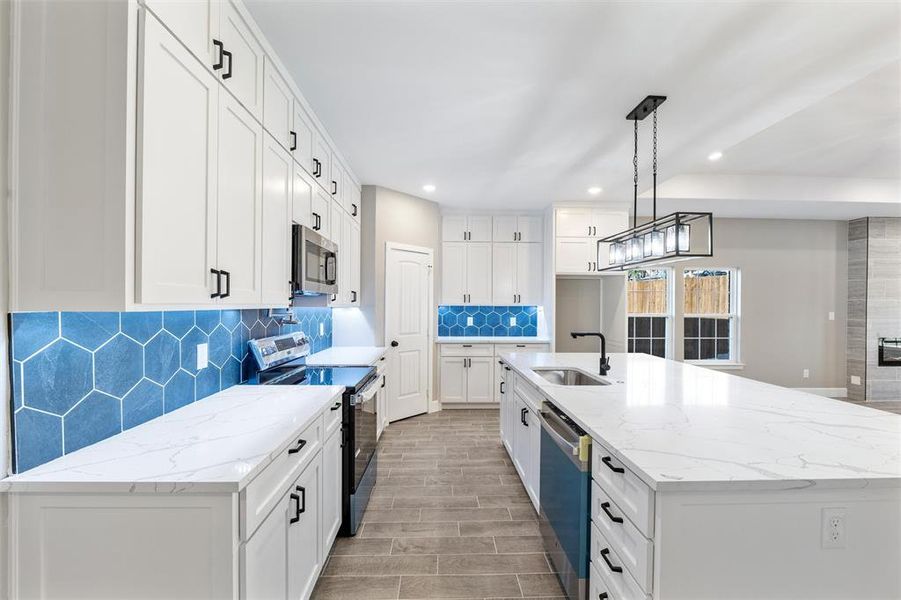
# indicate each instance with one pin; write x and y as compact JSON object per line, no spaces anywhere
{"x":4,"y":285}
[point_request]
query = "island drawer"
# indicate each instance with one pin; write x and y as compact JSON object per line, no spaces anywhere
{"x":332,"y":418}
{"x":467,"y":349}
{"x":506,"y":348}
{"x":258,"y":498}
{"x":603,"y":579}
{"x":528,"y":392}
{"x":635,"y":550}
{"x":630,"y":494}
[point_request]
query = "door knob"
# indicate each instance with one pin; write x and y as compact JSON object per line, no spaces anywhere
{"x":394,"y":344}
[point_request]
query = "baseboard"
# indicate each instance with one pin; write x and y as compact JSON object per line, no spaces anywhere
{"x":828,"y":392}
{"x":470,"y":405}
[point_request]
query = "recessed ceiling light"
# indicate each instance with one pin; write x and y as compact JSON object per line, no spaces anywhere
{"x":715,"y":155}
{"x":595,"y":190}
{"x":429,"y":188}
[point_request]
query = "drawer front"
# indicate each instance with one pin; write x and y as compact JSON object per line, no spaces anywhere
{"x":258,"y":498}
{"x":506,"y":348}
{"x":619,"y":584}
{"x":331,"y":418}
{"x":630,"y":494}
{"x":467,"y":349}
{"x":635,"y":550}
{"x":528,"y":392}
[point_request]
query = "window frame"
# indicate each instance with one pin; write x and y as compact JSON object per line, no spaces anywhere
{"x":734,"y":316}
{"x":669,"y":315}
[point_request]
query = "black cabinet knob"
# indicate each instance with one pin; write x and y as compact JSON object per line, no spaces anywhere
{"x":394,"y":344}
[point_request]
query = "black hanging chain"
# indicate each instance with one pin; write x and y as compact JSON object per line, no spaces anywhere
{"x":635,"y":179}
{"x":655,"y":162}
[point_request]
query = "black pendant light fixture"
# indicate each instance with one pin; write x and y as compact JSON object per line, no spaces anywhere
{"x":677,"y":236}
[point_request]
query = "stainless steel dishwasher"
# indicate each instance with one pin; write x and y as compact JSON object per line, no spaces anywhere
{"x":565,"y":497}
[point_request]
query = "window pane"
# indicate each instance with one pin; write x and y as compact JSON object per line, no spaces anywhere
{"x":707,"y":349}
{"x":646,"y":292}
{"x":691,"y":349}
{"x":658,"y":327}
{"x":643,"y":346}
{"x":642,"y":327}
{"x":722,"y":349}
{"x":631,"y":326}
{"x":658,"y":348}
{"x":631,"y":345}
{"x":722,"y":328}
{"x":707,"y":291}
{"x":692,"y":328}
{"x":708,"y":327}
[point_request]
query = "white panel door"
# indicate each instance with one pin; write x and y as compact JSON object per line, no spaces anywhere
{"x":301,"y":197}
{"x":504,"y":270}
{"x":331,"y":491}
{"x":265,"y":555}
{"x":453,"y":228}
{"x":303,"y":138}
{"x":321,"y":213}
{"x":240,"y":189}
{"x":533,"y":479}
{"x":242,"y":69}
{"x":452,"y":379}
{"x":278,"y":105}
{"x":346,"y":250}
{"x":322,"y":160}
{"x":575,"y":222}
{"x":453,"y":273}
{"x":278,"y":170}
{"x":408,"y":310}
{"x":480,"y":379}
{"x":505,"y":228}
{"x":479,"y":227}
{"x":530,"y":228}
{"x":521,"y":438}
{"x":529,"y":274}
{"x":194,"y":22}
{"x":336,"y":184}
{"x":176,"y":204}
{"x":576,"y":255}
{"x":478,"y":273}
{"x":355,"y":259}
{"x":338,"y":229}
{"x":305,"y":534}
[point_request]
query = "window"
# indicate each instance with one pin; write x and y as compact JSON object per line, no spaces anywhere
{"x":649,"y":304}
{"x":711,"y":315}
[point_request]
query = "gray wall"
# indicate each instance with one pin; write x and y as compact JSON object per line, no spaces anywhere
{"x":883,"y":304}
{"x":856,"y":354}
{"x":4,"y":286}
{"x":578,"y":308}
{"x":793,"y":274}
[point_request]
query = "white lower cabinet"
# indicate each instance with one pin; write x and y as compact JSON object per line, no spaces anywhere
{"x":466,"y":373}
{"x":526,"y":445}
{"x":331,"y":490}
{"x":305,"y":543}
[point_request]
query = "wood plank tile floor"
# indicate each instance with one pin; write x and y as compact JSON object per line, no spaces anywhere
{"x":448,"y":518}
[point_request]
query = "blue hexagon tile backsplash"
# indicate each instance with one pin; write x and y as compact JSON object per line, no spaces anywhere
{"x":501,"y":321}
{"x":80,"y":377}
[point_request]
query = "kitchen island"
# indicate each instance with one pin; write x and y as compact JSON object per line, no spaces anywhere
{"x":708,"y":485}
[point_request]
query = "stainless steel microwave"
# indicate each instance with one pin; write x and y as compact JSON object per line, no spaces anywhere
{"x":314,"y":263}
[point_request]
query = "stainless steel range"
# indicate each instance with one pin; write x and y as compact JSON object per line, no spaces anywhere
{"x":281,"y":361}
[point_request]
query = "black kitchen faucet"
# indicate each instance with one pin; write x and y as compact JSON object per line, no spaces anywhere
{"x":605,"y":362}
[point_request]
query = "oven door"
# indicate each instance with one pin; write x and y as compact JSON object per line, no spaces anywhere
{"x":365,"y":429}
{"x":314,"y":262}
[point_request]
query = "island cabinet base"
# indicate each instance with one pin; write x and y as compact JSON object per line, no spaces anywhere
{"x":775,"y":544}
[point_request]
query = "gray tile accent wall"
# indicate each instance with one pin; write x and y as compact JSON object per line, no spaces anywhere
{"x":883,"y":307}
{"x":857,"y":308}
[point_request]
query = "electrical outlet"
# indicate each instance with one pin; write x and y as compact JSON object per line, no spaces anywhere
{"x":512,"y":321}
{"x":805,"y":374}
{"x":469,"y":321}
{"x":322,"y":329}
{"x":203,"y":356}
{"x":855,"y":379}
{"x":831,"y":316}
{"x":833,"y":528}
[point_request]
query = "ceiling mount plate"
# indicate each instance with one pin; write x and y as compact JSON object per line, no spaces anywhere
{"x":645,"y":107}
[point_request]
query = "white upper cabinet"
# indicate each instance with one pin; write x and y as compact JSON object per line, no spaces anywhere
{"x":504,"y":279}
{"x":466,"y":273}
{"x":321,"y":213}
{"x":278,"y":172}
{"x":176,"y":200}
{"x":453,"y":273}
{"x":518,"y":228}
{"x":301,"y":198}
{"x":336,"y":183}
{"x":466,"y":228}
{"x":194,"y":22}
{"x":478,"y":273}
{"x":479,"y":227}
{"x":239,"y":194}
{"x":303,"y":138}
{"x":577,"y":233}
{"x":242,"y":59}
{"x":278,"y":105}
{"x":575,"y":222}
{"x":517,"y":274}
{"x":322,"y":162}
{"x":355,"y":262}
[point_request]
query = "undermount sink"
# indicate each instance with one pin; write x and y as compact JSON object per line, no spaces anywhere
{"x":568,"y":376}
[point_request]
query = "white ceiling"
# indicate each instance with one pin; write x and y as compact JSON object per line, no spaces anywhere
{"x":516,"y":105}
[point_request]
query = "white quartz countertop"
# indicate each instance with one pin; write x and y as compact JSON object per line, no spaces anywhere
{"x":492,"y":340}
{"x":683,"y":427}
{"x":346,"y":356}
{"x":218,"y":444}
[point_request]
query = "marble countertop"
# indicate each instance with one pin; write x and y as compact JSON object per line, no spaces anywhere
{"x":347,"y":356}
{"x":492,"y":340}
{"x":218,"y":444}
{"x":683,"y":427}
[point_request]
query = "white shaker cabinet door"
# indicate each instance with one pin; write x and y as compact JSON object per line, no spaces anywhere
{"x":321,"y":213}
{"x":194,"y":22}
{"x":176,"y":204}
{"x":453,"y":228}
{"x":575,"y":222}
{"x":479,"y":227}
{"x":506,"y":228}
{"x":533,"y":480}
{"x":576,"y":255}
{"x":305,"y":533}
{"x":331,"y":491}
{"x":355,"y":261}
{"x":242,"y":66}
{"x":322,"y":159}
{"x":301,"y":197}
{"x":530,"y":228}
{"x":303,"y":138}
{"x":504,"y":289}
{"x":278,"y":105}
{"x":478,"y":272}
{"x":452,"y":378}
{"x":240,"y":189}
{"x":480,"y":379}
{"x":278,"y":170}
{"x":264,"y":557}
{"x":453,"y":273}
{"x":529,"y":274}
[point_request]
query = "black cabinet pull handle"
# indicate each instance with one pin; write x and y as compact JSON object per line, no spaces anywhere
{"x":612,"y":567}
{"x":334,"y":188}
{"x":315,"y":222}
{"x":228,"y":284}
{"x":606,"y":507}
{"x":218,"y":275}
{"x":589,"y":265}
{"x":293,"y":141}
{"x":334,"y":297}
{"x":317,"y":172}
{"x":354,"y":213}
{"x":303,"y":499}
{"x":384,"y":379}
{"x":296,"y":517}
{"x":228,"y":73}
{"x":298,"y":447}
{"x":603,"y":596}
{"x":218,"y":64}
{"x":336,"y":406}
{"x":353,"y":295}
{"x":502,"y":386}
{"x":522,"y":416}
{"x":608,"y":461}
